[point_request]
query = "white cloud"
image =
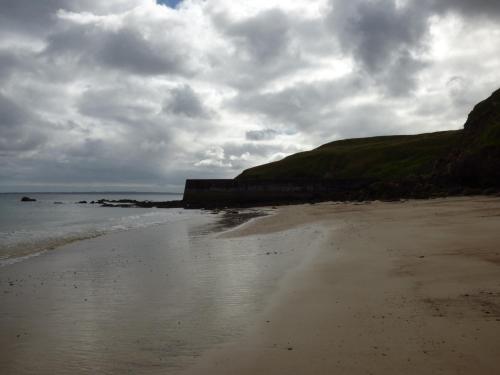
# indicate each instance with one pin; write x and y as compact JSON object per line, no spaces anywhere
{"x":133,"y":93}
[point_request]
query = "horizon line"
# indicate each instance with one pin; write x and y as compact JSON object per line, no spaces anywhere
{"x":91,"y":192}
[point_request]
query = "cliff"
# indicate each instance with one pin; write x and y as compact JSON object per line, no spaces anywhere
{"x":475,"y":161}
{"x":456,"y":162}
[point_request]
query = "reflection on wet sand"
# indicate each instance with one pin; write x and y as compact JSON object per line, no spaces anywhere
{"x":142,"y":301}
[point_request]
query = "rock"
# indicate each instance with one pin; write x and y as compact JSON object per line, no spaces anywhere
{"x":82,"y":202}
{"x":58,"y":202}
{"x":28,"y":199}
{"x":122,"y":205}
{"x":476,"y":160}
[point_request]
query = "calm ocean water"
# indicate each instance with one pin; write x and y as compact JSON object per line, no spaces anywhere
{"x":28,"y":228}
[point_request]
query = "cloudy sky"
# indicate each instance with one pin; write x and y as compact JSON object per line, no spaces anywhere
{"x":141,"y":94}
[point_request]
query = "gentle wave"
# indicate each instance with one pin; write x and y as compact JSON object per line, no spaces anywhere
{"x":16,"y":246}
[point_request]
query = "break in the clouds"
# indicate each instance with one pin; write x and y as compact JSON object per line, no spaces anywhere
{"x":141,"y":94}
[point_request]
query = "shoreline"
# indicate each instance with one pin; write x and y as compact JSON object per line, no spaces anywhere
{"x":141,"y":301}
{"x":398,"y":288}
{"x":228,"y":219}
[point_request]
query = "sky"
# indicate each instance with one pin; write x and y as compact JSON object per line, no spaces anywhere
{"x":138,"y":95}
{"x":170,"y":3}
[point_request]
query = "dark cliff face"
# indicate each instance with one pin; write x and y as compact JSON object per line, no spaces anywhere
{"x":485,"y":114}
{"x":475,"y":160}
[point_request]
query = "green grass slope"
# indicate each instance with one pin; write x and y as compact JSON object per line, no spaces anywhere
{"x":380,"y":158}
{"x":467,"y":157}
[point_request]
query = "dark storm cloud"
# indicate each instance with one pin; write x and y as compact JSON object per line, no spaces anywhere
{"x":128,"y":50}
{"x":263,"y":37}
{"x":16,"y":134}
{"x":9,"y":62}
{"x":124,"y":49}
{"x":11,"y":115}
{"x":377,"y":32}
{"x":489,"y":8}
{"x":261,"y":135}
{"x":383,"y":38}
{"x":143,"y":146}
{"x":132,"y":158}
{"x":39,"y":18}
{"x":264,"y":47}
{"x":401,"y":75}
{"x":387,"y":40}
{"x":365,"y":120}
{"x":121,"y":163}
{"x":184,"y":101}
{"x":298,"y":106}
{"x":26,"y":16}
{"x":118,"y":104}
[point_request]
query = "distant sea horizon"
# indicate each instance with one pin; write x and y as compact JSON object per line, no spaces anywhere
{"x":94,"y":192}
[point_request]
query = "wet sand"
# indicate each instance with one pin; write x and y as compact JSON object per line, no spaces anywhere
{"x":144,"y":301}
{"x":393,"y":288}
{"x":382,"y":288}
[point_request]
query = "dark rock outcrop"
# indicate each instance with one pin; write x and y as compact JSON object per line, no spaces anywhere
{"x":475,"y":162}
{"x":28,"y":199}
{"x":127,"y":203}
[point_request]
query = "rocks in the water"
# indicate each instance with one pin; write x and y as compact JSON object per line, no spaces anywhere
{"x":126,"y":203}
{"x":82,"y":202}
{"x":58,"y":202}
{"x":28,"y":199}
{"x":122,"y":205}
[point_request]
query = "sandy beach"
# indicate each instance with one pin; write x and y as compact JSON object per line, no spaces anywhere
{"x":333,"y":288}
{"x":393,"y":288}
{"x":141,"y":301}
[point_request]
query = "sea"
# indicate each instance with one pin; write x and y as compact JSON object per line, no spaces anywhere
{"x":54,"y":219}
{"x":86,"y":289}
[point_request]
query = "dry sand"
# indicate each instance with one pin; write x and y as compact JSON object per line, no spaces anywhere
{"x":396,"y":288}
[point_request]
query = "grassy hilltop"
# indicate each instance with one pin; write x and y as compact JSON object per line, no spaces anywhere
{"x":467,"y":157}
{"x":383,"y":158}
